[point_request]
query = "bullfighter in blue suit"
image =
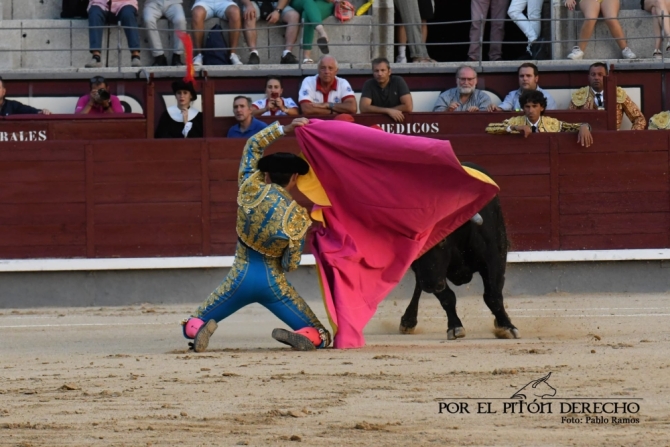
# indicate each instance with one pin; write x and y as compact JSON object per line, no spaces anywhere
{"x":271,"y":230}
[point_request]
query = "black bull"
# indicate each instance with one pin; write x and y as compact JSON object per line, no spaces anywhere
{"x":471,"y":248}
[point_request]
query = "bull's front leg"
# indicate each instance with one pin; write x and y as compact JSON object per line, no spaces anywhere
{"x":447,"y":299}
{"x":494,"y":280}
{"x":409,"y":319}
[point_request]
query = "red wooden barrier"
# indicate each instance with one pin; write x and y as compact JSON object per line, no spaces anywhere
{"x":177,"y":198}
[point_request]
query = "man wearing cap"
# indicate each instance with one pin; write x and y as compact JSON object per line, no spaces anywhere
{"x":271,"y":230}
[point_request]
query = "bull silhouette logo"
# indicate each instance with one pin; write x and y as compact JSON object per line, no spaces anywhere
{"x":537,"y":389}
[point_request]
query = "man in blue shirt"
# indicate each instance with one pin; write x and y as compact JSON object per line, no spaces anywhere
{"x":9,"y":107}
{"x":246,"y":125}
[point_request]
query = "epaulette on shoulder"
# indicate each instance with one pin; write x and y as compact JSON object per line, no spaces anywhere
{"x":253,"y":191}
{"x":296,"y":221}
{"x":551,"y":124}
{"x":660,"y":120}
{"x":580,"y":96}
{"x":519,"y":120}
{"x":620,"y":95}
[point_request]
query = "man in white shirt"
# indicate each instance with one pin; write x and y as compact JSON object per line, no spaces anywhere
{"x":528,"y":77}
{"x":325,"y":93}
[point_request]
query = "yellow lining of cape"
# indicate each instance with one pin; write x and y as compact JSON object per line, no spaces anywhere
{"x":310,"y":186}
{"x":480,"y":176}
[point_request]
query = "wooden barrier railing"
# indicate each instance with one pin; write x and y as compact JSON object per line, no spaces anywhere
{"x":145,"y":198}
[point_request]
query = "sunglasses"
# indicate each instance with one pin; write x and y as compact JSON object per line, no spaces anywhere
{"x":98,"y":80}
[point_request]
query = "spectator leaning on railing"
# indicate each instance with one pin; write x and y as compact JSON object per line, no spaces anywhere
{"x":534,"y":103}
{"x":9,"y":107}
{"x":528,"y":77}
{"x":591,"y":10}
{"x":659,"y":8}
{"x":465,"y":97}
{"x":593,"y":97}
{"x":325,"y":93}
{"x":230,"y":12}
{"x":274,"y":104}
{"x":173,"y":10}
{"x":99,"y":101}
{"x":386,"y":93}
{"x":106,"y":12}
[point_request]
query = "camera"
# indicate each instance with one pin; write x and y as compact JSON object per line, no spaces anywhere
{"x":103,"y":95}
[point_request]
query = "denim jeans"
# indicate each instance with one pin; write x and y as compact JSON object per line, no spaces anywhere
{"x":98,"y":17}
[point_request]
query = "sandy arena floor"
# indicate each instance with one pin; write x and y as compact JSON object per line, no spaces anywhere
{"x":122,"y":376}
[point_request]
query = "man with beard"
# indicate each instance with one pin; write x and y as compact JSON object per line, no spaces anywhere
{"x":528,"y":77}
{"x":593,"y":97}
{"x":386,"y":93}
{"x":465,"y":97}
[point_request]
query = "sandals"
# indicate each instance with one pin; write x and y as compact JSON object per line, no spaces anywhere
{"x":307,"y":61}
{"x":322,"y":42}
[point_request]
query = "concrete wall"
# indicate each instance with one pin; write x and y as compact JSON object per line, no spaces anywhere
{"x":118,"y":288}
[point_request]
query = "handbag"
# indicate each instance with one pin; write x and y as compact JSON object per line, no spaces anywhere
{"x":344,"y":11}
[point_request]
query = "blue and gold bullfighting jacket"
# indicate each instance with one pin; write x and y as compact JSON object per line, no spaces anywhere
{"x":268,"y":219}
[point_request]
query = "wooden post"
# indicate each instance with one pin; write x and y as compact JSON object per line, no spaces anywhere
{"x":554,"y":169}
{"x":205,"y":199}
{"x":150,"y":106}
{"x":208,"y":92}
{"x":90,"y":204}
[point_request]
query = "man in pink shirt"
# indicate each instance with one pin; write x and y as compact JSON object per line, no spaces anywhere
{"x":99,"y":101}
{"x":110,"y":12}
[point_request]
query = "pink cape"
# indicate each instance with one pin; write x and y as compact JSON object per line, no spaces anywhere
{"x":393,"y":197}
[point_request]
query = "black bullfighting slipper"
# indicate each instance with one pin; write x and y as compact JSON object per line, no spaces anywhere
{"x":296,"y":341}
{"x":322,"y":42}
{"x":201,"y":339}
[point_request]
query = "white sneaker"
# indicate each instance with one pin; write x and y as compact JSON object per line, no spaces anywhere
{"x":401,"y":59}
{"x":235,"y":59}
{"x":627,"y":53}
{"x":658,"y":54}
{"x":197,"y":61}
{"x":576,"y":54}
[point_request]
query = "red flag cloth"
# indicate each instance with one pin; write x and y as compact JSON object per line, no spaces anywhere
{"x":392,"y":198}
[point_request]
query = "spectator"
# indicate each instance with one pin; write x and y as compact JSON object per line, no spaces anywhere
{"x":230,"y":12}
{"x":325,"y":93}
{"x":282,"y":11}
{"x":386,"y":93}
{"x":591,"y":10}
{"x":593,"y":97}
{"x":174,"y":12}
{"x":658,"y":8}
{"x":99,"y":101}
{"x":660,"y":121}
{"x":313,"y":12}
{"x":246,"y":125}
{"x":10,"y":107}
{"x":479,"y":9}
{"x":274,"y":104}
{"x":426,"y":12}
{"x":182,"y":120}
{"x":465,"y":97}
{"x":528,"y":77}
{"x":531,"y":25}
{"x":534,"y":103}
{"x":103,"y":12}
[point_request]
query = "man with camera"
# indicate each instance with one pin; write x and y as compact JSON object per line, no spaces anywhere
{"x":99,"y":101}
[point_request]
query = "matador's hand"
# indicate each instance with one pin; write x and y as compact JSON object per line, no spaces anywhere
{"x":298,"y":122}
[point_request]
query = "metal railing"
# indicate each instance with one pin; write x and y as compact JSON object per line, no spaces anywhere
{"x":119,"y":47}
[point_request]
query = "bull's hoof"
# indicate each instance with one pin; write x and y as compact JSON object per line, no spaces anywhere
{"x":454,"y":333}
{"x":506,"y":332}
{"x":406,"y":330}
